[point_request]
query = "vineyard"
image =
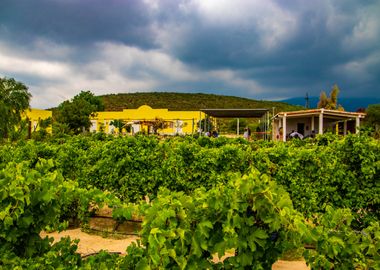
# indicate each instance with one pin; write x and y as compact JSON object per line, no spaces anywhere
{"x":197,"y":198}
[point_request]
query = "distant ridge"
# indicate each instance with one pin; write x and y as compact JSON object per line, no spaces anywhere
{"x":349,"y":104}
{"x":188,"y":101}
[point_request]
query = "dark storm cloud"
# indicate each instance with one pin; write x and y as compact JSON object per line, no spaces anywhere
{"x":258,"y":49}
{"x":319,"y":42}
{"x":77,"y":22}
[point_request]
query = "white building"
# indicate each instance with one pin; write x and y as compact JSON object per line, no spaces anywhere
{"x":317,"y":121}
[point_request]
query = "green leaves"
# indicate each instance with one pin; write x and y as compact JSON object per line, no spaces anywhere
{"x":33,"y":199}
{"x":205,"y":199}
{"x":232,"y":216}
{"x":342,"y":173}
{"x":337,"y":246}
{"x":14,"y":99}
{"x":76,"y":113}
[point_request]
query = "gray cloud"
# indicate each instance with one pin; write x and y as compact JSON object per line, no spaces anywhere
{"x":259,"y":49}
{"x":318,"y":37}
{"x":77,"y":22}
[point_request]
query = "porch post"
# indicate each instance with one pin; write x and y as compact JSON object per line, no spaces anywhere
{"x":237,"y":126}
{"x":265,"y":127}
{"x":345,"y":127}
{"x":200,"y":123}
{"x":320,"y":131}
{"x":284,"y":128}
{"x":312,"y":123}
{"x":357,"y":126}
{"x":268,"y":125}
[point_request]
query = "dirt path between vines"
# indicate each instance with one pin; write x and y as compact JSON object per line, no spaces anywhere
{"x":90,"y":243}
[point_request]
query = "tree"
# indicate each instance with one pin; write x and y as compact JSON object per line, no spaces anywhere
{"x":14,"y":99}
{"x":373,"y":116}
{"x":323,"y":100}
{"x":334,"y":97}
{"x":76,"y":113}
{"x":330,"y":103}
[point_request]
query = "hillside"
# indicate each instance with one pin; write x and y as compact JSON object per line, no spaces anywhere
{"x":187,"y":101}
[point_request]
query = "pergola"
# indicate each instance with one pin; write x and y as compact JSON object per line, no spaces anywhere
{"x":152,"y":122}
{"x":237,"y":113}
{"x":310,"y":121}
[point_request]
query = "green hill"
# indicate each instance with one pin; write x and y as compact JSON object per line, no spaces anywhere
{"x":187,"y":102}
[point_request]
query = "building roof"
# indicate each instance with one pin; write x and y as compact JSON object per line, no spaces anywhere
{"x":326,"y":113}
{"x":235,"y":113}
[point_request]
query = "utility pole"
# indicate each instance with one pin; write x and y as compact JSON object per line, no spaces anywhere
{"x":307,"y":101}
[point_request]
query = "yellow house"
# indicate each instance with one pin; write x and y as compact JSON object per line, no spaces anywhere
{"x":34,"y":115}
{"x":141,"y":119}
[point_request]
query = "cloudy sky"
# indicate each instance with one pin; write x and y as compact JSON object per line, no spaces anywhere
{"x":270,"y":49}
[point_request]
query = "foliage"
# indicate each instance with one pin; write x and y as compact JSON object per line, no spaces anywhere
{"x":323,"y":100}
{"x":75,"y":113}
{"x":343,"y":173}
{"x":337,"y":246}
{"x":200,"y":206}
{"x":29,"y":202}
{"x":21,"y":131}
{"x":373,"y":116}
{"x":334,"y":97}
{"x":316,"y":173}
{"x":330,"y":103}
{"x":35,"y":199}
{"x":14,"y":99}
{"x":61,"y":255}
{"x":251,"y":215}
{"x":40,"y":133}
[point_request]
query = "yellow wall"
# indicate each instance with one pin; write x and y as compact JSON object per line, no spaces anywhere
{"x":35,"y":115}
{"x":188,"y":119}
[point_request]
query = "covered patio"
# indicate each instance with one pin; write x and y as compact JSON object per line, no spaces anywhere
{"x":317,"y":121}
{"x":236,"y":113}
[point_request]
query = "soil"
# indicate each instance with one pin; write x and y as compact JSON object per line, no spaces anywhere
{"x":90,"y":244}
